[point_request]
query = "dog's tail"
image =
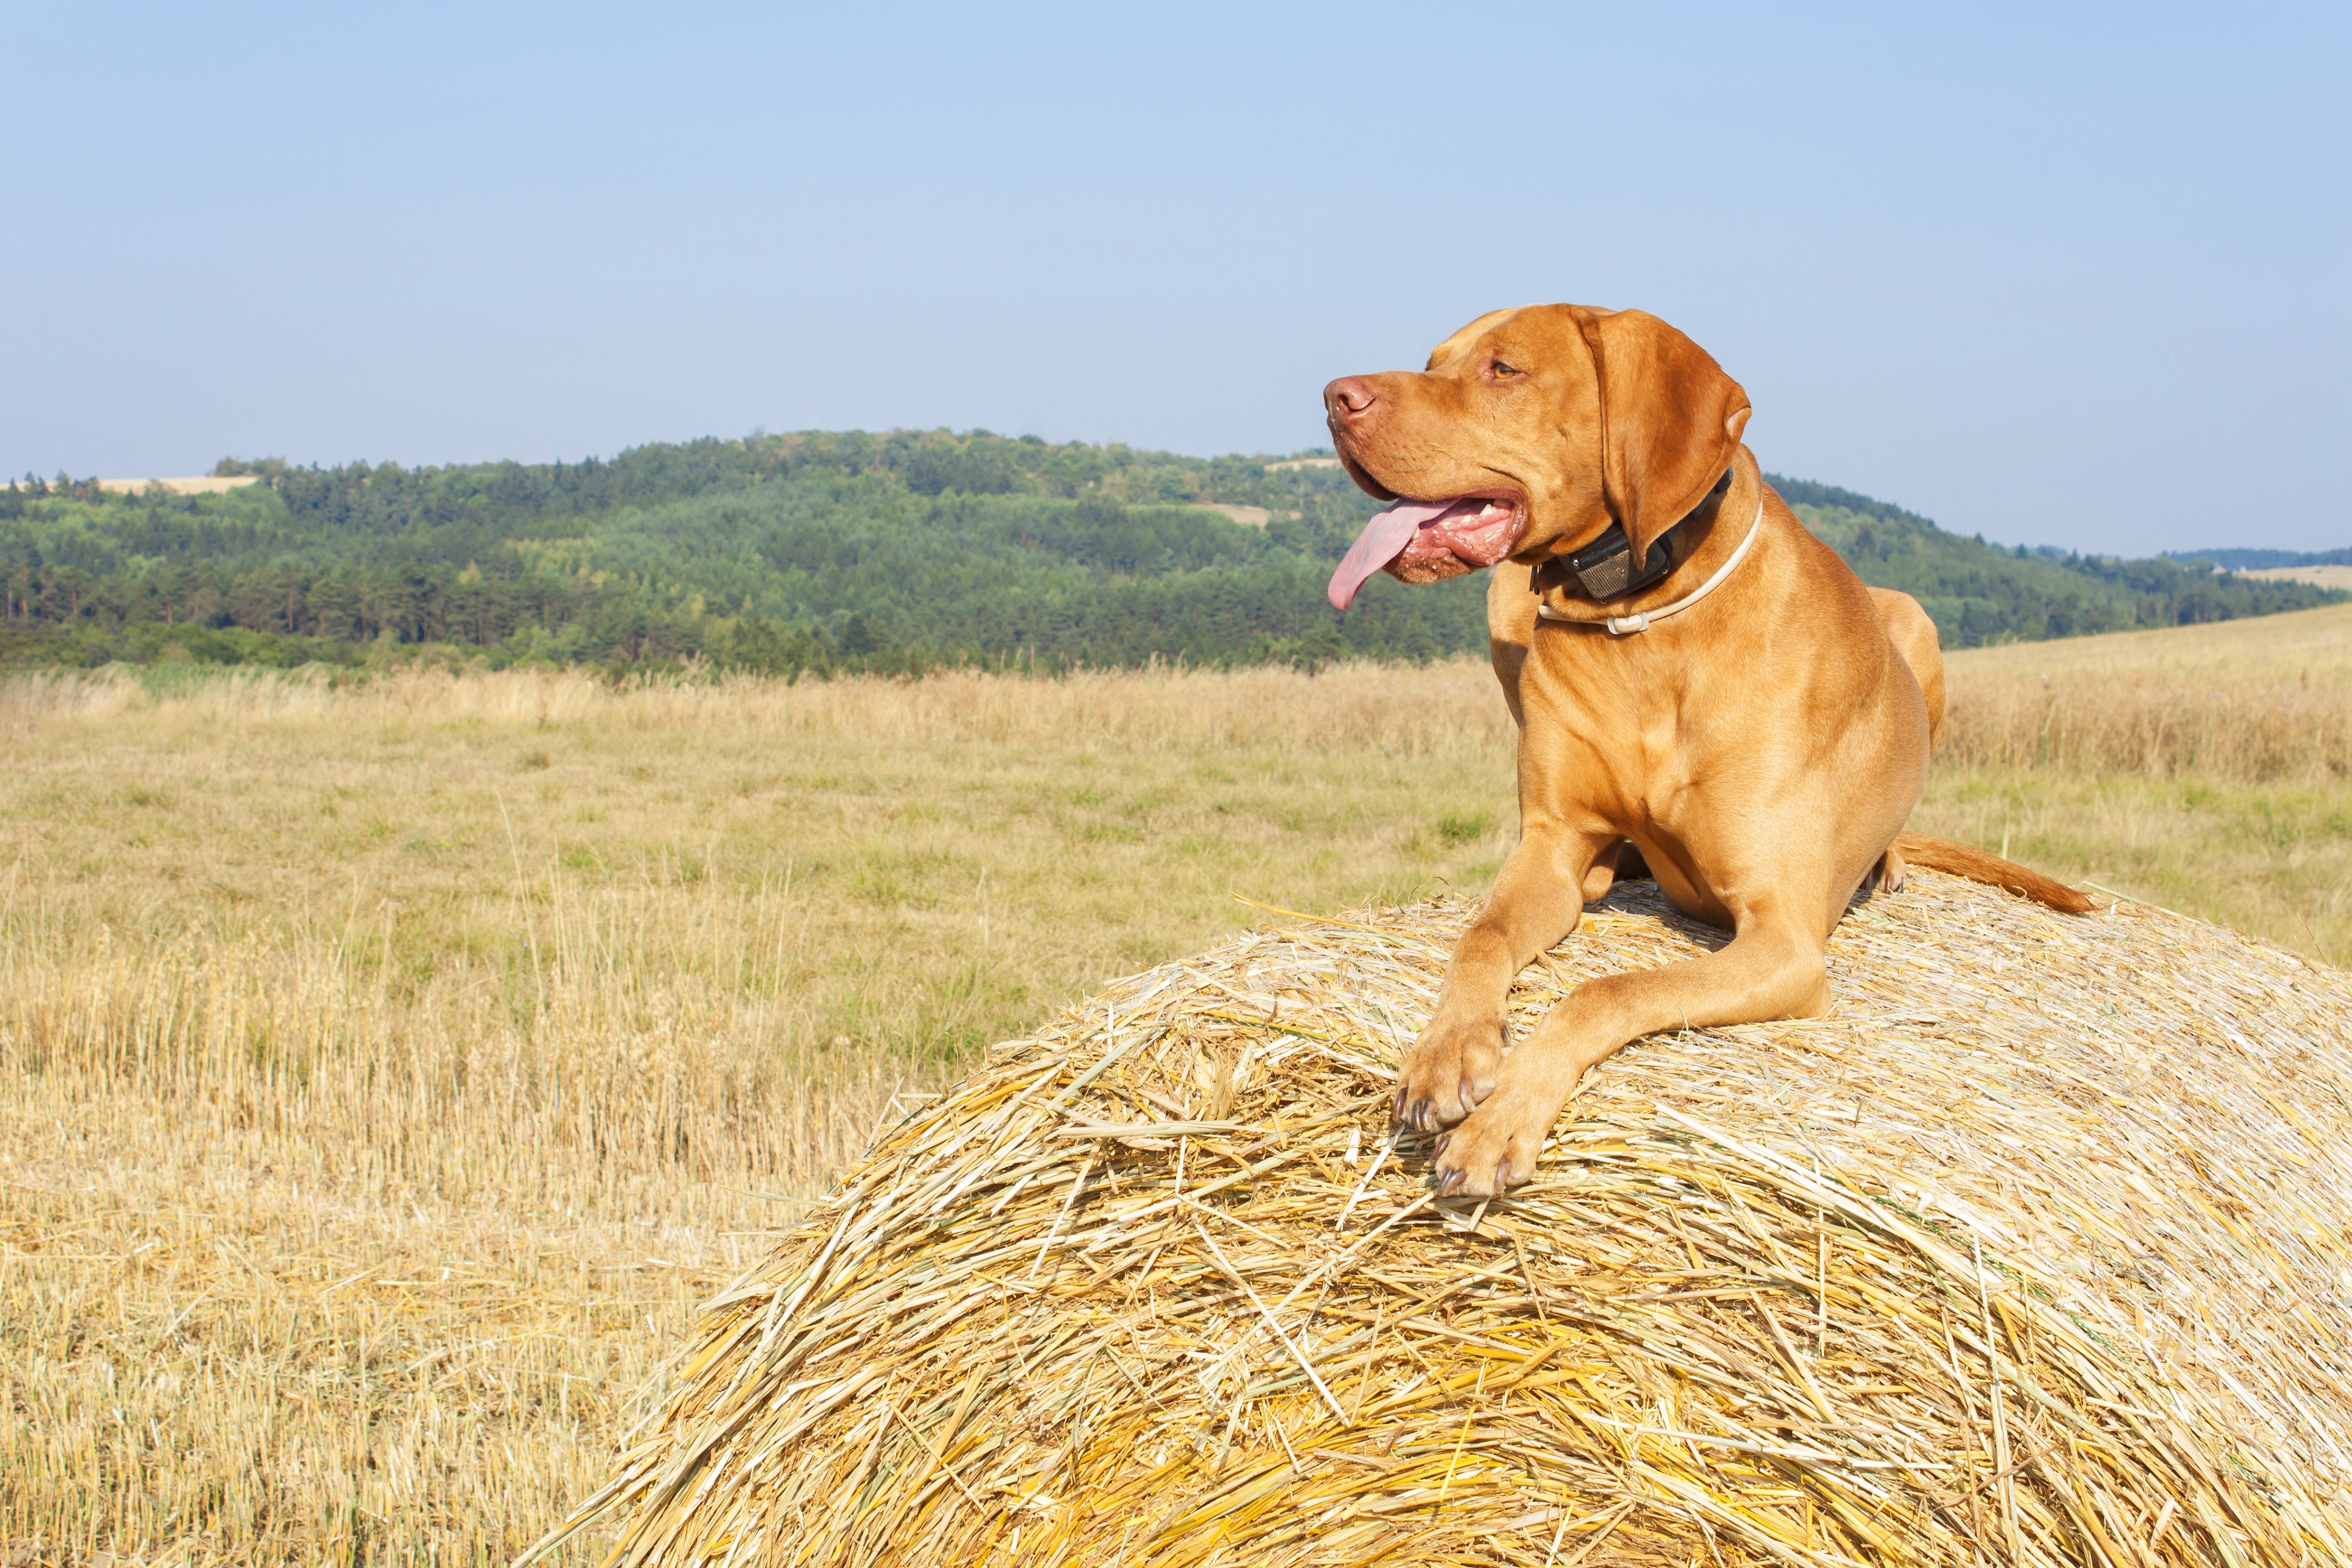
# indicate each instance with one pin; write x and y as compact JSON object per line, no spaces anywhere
{"x":1964,"y":860}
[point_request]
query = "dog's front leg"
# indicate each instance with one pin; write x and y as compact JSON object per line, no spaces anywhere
{"x":1536,"y":902}
{"x":1772,"y":969}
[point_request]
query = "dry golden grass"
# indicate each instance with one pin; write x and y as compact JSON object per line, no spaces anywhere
{"x":2318,"y":577}
{"x":2313,"y":643}
{"x":2205,"y":769}
{"x":387,"y":1070}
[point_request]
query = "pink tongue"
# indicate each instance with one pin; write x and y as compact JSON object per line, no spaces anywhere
{"x":1383,"y":541}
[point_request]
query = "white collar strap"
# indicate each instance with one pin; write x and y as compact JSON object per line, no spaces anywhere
{"x":1626,"y":626}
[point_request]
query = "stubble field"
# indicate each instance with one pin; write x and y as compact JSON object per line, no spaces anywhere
{"x":385,"y":1072}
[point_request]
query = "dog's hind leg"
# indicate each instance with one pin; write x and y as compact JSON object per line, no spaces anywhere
{"x":1772,"y":969}
{"x":1914,"y":636}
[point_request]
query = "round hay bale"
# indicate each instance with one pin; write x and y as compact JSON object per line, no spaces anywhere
{"x":2035,"y":1251}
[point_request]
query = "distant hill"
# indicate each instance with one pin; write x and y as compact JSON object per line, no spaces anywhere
{"x":893,"y":551}
{"x":1978,"y":593}
{"x":2264,"y":560}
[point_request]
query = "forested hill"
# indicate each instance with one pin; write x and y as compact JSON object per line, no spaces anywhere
{"x":1978,"y":593}
{"x":891,"y":551}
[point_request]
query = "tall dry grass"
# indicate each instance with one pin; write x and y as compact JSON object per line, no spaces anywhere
{"x":2243,"y":730}
{"x":1386,"y":709}
{"x":385,"y":1070}
{"x":2242,"y":701}
{"x":2204,"y":768}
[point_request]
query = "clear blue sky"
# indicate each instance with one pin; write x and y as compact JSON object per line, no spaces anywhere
{"x":2064,"y":275}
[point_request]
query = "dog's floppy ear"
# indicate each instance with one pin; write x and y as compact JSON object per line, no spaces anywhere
{"x":1670,"y":420}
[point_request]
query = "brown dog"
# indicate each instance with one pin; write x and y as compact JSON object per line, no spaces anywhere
{"x":1712,"y":690}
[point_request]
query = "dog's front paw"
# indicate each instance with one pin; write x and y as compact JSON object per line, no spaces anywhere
{"x":1449,"y":1070}
{"x":1494,"y":1149}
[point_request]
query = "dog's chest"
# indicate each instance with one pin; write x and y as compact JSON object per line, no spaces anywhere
{"x":1607,"y":732}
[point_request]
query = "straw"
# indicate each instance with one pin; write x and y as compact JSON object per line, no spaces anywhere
{"x":2035,"y":1251}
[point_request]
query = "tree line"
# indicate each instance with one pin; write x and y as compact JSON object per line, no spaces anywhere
{"x":815,"y":552}
{"x":1978,"y":593}
{"x":832,"y":552}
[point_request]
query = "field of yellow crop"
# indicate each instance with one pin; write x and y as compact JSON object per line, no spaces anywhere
{"x":2208,"y":769}
{"x":385,"y":1071}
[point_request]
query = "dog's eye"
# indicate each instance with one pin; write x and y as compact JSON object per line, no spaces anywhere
{"x":1503,"y":372}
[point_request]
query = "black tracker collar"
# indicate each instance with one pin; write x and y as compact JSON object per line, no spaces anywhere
{"x":1605,"y":567}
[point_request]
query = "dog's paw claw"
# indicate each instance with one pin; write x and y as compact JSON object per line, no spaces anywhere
{"x":1449,"y":1070}
{"x":1493,"y":1151}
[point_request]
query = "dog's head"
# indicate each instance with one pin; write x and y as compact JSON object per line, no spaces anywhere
{"x":1530,"y":431}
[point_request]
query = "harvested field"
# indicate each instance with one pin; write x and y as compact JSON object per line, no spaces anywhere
{"x":2250,"y":702}
{"x":2033,"y":1252}
{"x":2339,"y":577}
{"x":194,"y":485}
{"x":392,"y":1069}
{"x":387,"y":1072}
{"x":2303,"y":646}
{"x":2207,"y":768}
